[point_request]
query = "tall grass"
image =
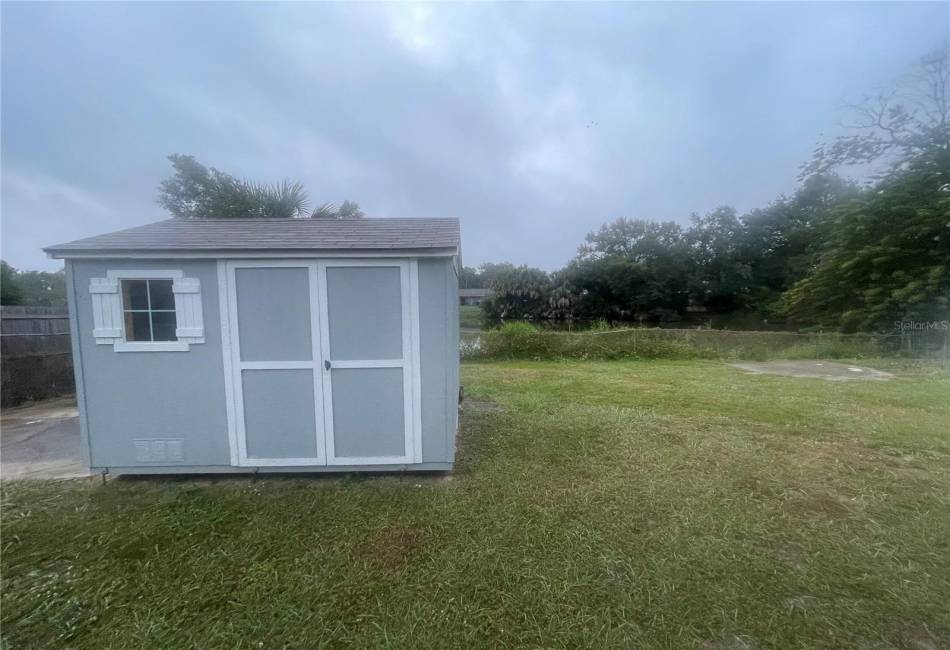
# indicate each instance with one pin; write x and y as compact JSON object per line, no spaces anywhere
{"x":525,"y":341}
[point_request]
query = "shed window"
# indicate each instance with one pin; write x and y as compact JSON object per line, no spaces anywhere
{"x":148,"y":308}
{"x":157,"y":310}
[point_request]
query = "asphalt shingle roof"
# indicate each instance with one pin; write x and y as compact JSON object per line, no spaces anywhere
{"x":176,"y":235}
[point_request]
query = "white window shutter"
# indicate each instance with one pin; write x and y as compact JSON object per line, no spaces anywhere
{"x":191,"y":327}
{"x":106,"y":310}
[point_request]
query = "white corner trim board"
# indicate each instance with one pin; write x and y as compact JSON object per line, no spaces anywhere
{"x":109,"y":324}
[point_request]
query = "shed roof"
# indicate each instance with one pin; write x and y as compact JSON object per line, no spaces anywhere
{"x":270,"y":235}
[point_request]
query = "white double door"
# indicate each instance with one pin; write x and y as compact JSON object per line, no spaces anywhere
{"x":324,"y":362}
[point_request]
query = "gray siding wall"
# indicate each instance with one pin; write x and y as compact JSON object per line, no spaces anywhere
{"x":153,"y":395}
{"x":128,"y":396}
{"x":438,"y":295}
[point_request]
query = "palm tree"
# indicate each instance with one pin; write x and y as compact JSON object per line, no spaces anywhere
{"x":199,"y":192}
{"x":349,"y":210}
{"x":286,"y":200}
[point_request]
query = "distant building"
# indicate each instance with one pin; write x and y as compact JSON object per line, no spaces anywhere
{"x":473,"y":296}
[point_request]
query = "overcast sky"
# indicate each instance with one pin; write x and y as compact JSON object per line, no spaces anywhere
{"x":533,"y":124}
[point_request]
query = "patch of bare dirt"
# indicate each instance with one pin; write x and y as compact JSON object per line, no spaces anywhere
{"x":471,"y":406}
{"x":816,"y":504}
{"x":828,"y":370}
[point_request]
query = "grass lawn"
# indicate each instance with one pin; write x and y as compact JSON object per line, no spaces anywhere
{"x":623,"y":504}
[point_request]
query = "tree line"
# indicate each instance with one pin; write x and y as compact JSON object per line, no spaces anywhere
{"x":34,"y":288}
{"x":834,"y":254}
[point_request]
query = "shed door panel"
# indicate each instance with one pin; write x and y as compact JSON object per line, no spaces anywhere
{"x":368,"y":386}
{"x":366,"y":312}
{"x":279,"y":414}
{"x":368,"y":412}
{"x":273,"y":306}
{"x":275,"y":358}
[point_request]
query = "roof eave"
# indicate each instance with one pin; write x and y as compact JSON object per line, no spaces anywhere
{"x":140,"y":253}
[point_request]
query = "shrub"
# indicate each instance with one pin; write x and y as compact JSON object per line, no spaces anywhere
{"x":520,"y":340}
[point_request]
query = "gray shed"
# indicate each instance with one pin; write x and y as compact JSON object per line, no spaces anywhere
{"x":235,"y":345}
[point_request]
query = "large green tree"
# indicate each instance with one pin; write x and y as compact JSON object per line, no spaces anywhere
{"x":195,"y":191}
{"x":887,"y":252}
{"x":34,"y":288}
{"x":781,"y":241}
{"x":631,"y":269}
{"x":887,"y":257}
{"x":898,"y":124}
{"x":831,"y":254}
{"x":720,"y":272}
{"x":640,"y":240}
{"x":10,"y":291}
{"x":42,"y":288}
{"x":619,"y":288}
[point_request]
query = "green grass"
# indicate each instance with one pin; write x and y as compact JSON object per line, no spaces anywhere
{"x":611,"y":504}
{"x":470,"y":316}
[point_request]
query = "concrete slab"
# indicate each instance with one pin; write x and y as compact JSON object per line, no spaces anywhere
{"x":41,"y":441}
{"x":829,"y":370}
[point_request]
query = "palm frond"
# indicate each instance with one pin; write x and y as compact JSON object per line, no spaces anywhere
{"x":326,"y":211}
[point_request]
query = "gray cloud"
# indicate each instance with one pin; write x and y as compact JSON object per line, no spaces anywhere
{"x":532,"y":123}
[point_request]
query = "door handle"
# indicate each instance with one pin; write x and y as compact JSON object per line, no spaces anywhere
{"x":326,"y":364}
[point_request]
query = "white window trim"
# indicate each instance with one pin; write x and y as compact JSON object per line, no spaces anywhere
{"x":110,"y":319}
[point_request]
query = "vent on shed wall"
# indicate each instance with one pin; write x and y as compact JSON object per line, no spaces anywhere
{"x":155,"y":450}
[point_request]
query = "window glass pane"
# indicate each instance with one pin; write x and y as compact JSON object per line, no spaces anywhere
{"x":134,"y":294}
{"x":161,"y":294}
{"x":163,"y":326}
{"x":137,"y":327}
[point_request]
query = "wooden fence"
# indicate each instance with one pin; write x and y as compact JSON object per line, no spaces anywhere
{"x":35,"y":354}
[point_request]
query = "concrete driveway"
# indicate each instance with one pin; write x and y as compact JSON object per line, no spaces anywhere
{"x":41,"y":441}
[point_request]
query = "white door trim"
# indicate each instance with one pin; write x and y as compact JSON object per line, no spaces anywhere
{"x":224,"y":316}
{"x":415,"y":320}
{"x":409,"y":300}
{"x":237,"y":429}
{"x":323,"y":393}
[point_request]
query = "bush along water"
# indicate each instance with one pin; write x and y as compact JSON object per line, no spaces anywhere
{"x":520,"y":340}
